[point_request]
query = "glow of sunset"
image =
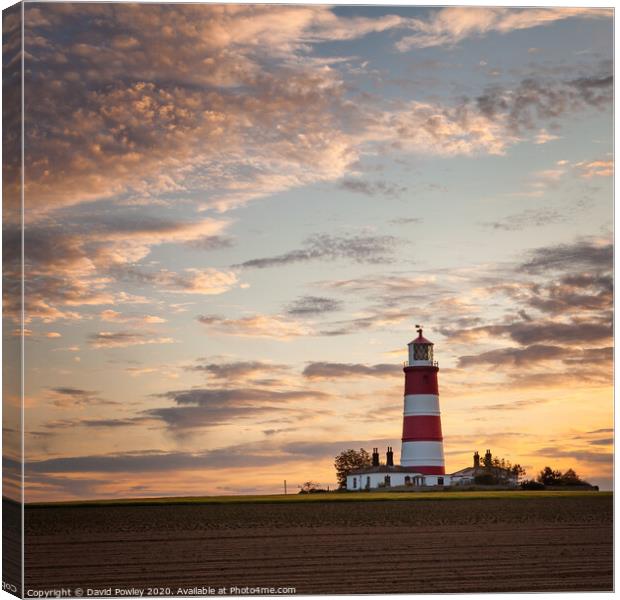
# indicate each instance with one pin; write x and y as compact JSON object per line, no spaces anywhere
{"x":235,"y":215}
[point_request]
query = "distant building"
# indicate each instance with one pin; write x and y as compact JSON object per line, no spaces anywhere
{"x":422,"y":457}
{"x":487,"y":471}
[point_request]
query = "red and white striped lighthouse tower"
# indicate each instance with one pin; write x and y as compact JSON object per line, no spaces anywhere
{"x":422,"y":449}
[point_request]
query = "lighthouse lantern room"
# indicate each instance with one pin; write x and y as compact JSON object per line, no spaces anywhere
{"x":420,"y":350}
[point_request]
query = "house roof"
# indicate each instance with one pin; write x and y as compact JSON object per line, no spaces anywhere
{"x":468,"y":471}
{"x":473,"y":471}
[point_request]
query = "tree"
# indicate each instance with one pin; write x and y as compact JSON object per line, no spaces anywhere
{"x":571,"y":478}
{"x":350,"y":460}
{"x":549,"y":477}
{"x":309,"y":487}
{"x":518,"y":471}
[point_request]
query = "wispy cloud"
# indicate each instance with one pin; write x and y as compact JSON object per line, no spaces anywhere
{"x":209,"y":281}
{"x":327,"y":370}
{"x":450,"y":26}
{"x":313,"y":305}
{"x":122,"y":339}
{"x":114,"y":316}
{"x":583,"y":254}
{"x":373,"y":188}
{"x":360,"y":249}
{"x":534,"y":99}
{"x":76,"y":397}
{"x":239,"y":370}
{"x":201,"y":408}
{"x":595,"y":168}
{"x":531,"y":217}
{"x":267,"y":326}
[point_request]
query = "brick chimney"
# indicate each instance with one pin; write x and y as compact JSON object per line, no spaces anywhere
{"x":375,"y":457}
{"x":389,"y":457}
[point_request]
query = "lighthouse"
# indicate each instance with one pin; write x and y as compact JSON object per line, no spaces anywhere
{"x":422,"y":440}
{"x":422,"y":463}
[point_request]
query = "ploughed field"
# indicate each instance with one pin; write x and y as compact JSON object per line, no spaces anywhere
{"x":424,"y":545}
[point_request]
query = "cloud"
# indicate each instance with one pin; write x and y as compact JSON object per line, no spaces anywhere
{"x":74,"y":262}
{"x":406,"y":221}
{"x":585,"y":292}
{"x":582,"y":254}
{"x":375,"y":319}
{"x":111,"y":423}
{"x":454,"y":128}
{"x":599,"y":356}
{"x":170,"y":372}
{"x":171,"y":119}
{"x":604,"y":430}
{"x":207,"y":281}
{"x":534,"y":99}
{"x":450,"y":26}
{"x":313,"y":305}
{"x":520,"y":364}
{"x":373,"y":188}
{"x":324,"y":449}
{"x":530,"y":332}
{"x":531,"y":217}
{"x":327,"y":370}
{"x":595,"y":168}
{"x":203,"y":103}
{"x":603,"y":442}
{"x":71,"y":397}
{"x":114,"y":316}
{"x":149,"y":462}
{"x":514,"y":356}
{"x":558,"y":317}
{"x":513,"y":405}
{"x":121,"y":339}
{"x":239,"y":370}
{"x":257,"y":454}
{"x":544,"y":137}
{"x":386,"y":285}
{"x":265,"y":326}
{"x":202,"y":408}
{"x":576,"y":454}
{"x":211,"y":242}
{"x":360,"y":249}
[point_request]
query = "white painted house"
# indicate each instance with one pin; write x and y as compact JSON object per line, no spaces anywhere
{"x":382,"y":477}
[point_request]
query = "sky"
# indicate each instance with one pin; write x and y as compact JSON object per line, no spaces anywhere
{"x":235,"y":215}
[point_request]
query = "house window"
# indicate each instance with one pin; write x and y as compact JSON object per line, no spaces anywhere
{"x":439,"y":480}
{"x":368,"y":482}
{"x":387,"y":481}
{"x":354,"y":482}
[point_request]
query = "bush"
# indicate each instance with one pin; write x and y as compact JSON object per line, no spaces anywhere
{"x":532,"y":485}
{"x":486,"y":479}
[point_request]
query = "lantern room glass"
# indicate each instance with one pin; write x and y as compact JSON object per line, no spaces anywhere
{"x":423,"y":352}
